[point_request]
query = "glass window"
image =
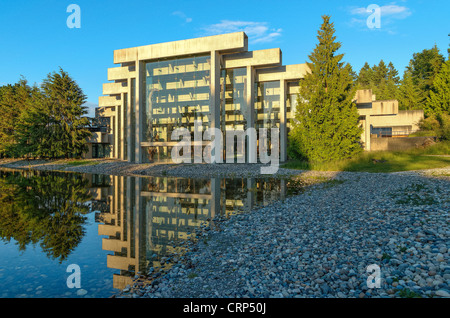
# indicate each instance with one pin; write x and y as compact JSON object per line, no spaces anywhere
{"x":177,"y":94}
{"x":267,"y":105}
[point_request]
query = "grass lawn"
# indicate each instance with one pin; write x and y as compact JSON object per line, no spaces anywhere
{"x":74,"y":163}
{"x":435,"y":156}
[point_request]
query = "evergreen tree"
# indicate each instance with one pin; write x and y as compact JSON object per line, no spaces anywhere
{"x":55,"y":126}
{"x":409,"y":95}
{"x":14,"y":100}
{"x":365,"y":77}
{"x":392,"y":83}
{"x":326,"y":123}
{"x":438,"y":101}
{"x":382,"y":79}
{"x":424,"y":66}
{"x":64,"y":101}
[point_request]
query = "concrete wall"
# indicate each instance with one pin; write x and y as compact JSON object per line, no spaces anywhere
{"x":397,"y":144}
{"x":402,"y":118}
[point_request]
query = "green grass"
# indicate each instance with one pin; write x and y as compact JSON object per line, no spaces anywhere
{"x":416,"y":195}
{"x":407,"y":293}
{"x":74,"y":163}
{"x":384,"y":161}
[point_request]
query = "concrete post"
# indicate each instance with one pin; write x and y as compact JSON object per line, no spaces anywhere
{"x":214,"y":98}
{"x":140,"y":105}
{"x":283,"y":128}
{"x":122,"y":127}
{"x":250,"y":98}
{"x":129,"y":108}
{"x":116,"y":132}
{"x":367,"y":133}
{"x":215,"y":198}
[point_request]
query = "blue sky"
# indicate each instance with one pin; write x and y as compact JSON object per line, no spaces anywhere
{"x":35,"y":39}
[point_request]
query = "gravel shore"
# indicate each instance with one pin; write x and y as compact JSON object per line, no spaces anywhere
{"x":320,"y":243}
{"x":123,"y":168}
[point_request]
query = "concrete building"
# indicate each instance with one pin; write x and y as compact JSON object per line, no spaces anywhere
{"x":381,"y":119}
{"x":158,"y":88}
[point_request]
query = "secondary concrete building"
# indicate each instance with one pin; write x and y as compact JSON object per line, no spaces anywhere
{"x":381,"y":119}
{"x":216,"y":80}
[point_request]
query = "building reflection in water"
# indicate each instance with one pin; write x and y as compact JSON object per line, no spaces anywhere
{"x":145,"y":219}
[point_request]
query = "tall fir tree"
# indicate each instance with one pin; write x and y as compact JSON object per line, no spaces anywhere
{"x":409,"y":96}
{"x":392,"y":83}
{"x":365,"y":77}
{"x":326,"y":125}
{"x":424,"y":66}
{"x":438,"y":101}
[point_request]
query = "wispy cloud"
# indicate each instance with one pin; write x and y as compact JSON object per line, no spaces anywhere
{"x":389,"y":14}
{"x":258,"y":32}
{"x":183,"y":16}
{"x":392,"y":11}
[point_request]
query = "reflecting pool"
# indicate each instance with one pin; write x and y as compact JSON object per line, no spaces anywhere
{"x":111,"y":227}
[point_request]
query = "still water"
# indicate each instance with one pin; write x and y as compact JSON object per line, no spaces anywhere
{"x":110,"y":226}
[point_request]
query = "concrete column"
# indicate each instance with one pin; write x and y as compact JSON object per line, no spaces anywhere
{"x":140,"y":107}
{"x":250,"y":98}
{"x":215,"y":198}
{"x":251,"y":195}
{"x":122,"y":127}
{"x":116,"y":132}
{"x":283,"y":128}
{"x":139,"y":224}
{"x":367,"y":133}
{"x":128,"y":123}
{"x":214,"y":97}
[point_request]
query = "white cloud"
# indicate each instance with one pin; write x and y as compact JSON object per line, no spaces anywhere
{"x":182,"y":15}
{"x":390,"y":10}
{"x":389,"y":14}
{"x":258,"y":32}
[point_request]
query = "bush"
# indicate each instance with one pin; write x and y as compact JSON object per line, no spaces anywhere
{"x":439,"y":124}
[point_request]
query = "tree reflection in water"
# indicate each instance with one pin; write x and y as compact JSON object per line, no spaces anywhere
{"x":43,"y":208}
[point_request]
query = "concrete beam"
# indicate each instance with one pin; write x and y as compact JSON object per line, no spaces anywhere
{"x":285,"y":72}
{"x":119,"y":73}
{"x":269,"y":57}
{"x":231,"y":42}
{"x":114,"y":88}
{"x":109,"y":101}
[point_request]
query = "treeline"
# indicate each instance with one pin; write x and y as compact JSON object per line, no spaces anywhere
{"x":413,"y":90}
{"x":46,"y":121}
{"x":425,"y":85}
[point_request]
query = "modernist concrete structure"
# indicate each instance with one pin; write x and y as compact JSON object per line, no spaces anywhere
{"x":215,"y":79}
{"x":381,"y":118}
{"x":158,"y":88}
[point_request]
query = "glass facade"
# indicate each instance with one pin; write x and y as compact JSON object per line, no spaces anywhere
{"x":291,"y":102}
{"x":177,"y":93}
{"x":267,"y":105}
{"x":234,"y":111}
